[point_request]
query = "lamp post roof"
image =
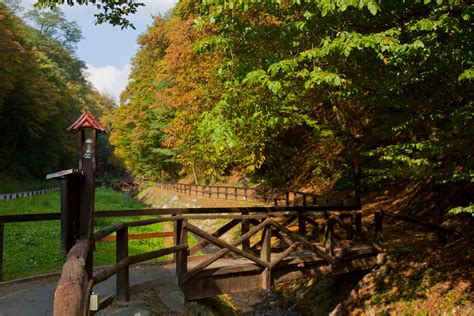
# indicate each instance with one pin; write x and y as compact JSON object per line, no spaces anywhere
{"x":86,"y":120}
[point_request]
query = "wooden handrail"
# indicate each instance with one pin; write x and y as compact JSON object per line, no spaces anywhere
{"x":131,"y":260}
{"x":415,"y":221}
{"x":71,"y":293}
{"x":17,"y":218}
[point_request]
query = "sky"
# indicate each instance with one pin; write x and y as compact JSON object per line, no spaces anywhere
{"x":107,"y":50}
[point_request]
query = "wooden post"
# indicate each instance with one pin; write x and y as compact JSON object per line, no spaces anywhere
{"x":235,"y":193}
{"x":87,"y":197}
{"x":315,"y":200}
{"x":304,"y":200}
{"x":358,"y":223}
{"x":181,"y":256}
{"x":244,"y":228}
{"x":329,"y":247}
{"x":301,"y":224}
{"x":287,"y":197}
{"x":1,"y":250}
{"x":275,"y":199}
{"x":122,"y":280}
{"x":265,"y":255}
{"x":356,"y":175}
{"x":295,"y":199}
{"x":70,"y":212}
{"x":178,"y":227}
{"x":378,"y":220}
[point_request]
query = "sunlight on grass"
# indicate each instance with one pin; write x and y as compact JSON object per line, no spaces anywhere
{"x":34,"y":248}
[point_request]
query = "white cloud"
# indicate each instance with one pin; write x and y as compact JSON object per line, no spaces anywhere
{"x":109,"y":80}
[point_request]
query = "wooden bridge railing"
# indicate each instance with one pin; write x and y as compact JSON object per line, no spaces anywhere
{"x":442,"y":232}
{"x":76,"y":284}
{"x":267,"y":238}
{"x":277,"y":197}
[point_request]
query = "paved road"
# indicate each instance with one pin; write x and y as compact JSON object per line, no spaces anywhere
{"x":35,"y":298}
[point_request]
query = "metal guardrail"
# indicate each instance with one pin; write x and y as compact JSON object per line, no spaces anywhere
{"x":18,"y":195}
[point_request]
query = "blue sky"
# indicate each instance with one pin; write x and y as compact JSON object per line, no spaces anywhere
{"x":108,"y":50}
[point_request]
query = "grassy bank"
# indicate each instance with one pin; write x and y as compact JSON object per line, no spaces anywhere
{"x":33,"y":248}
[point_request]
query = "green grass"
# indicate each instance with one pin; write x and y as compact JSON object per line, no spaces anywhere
{"x":34,"y":248}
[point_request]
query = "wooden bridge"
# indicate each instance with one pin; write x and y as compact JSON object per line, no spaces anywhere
{"x":263,"y":246}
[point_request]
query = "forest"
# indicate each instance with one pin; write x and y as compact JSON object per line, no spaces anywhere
{"x":285,"y":93}
{"x":290,"y":95}
{"x":292,"y":92}
{"x":42,"y":90}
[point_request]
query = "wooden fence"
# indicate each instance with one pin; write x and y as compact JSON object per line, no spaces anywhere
{"x":277,"y":197}
{"x":17,"y":195}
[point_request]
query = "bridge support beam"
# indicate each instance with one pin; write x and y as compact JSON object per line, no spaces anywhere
{"x":265,"y":255}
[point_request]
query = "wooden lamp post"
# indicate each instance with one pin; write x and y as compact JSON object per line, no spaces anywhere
{"x":78,"y":185}
{"x":89,"y":128}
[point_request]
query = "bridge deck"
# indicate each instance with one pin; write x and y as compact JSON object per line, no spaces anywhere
{"x":237,"y":274}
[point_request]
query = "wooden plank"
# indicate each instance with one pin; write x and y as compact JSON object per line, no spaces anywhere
{"x":63,"y":173}
{"x":303,"y":241}
{"x":223,"y":252}
{"x":156,"y":253}
{"x":107,"y":273}
{"x":21,"y":218}
{"x":109,"y":230}
{"x":139,"y":236}
{"x":284,"y":254}
{"x":218,"y":233}
{"x":222,"y":244}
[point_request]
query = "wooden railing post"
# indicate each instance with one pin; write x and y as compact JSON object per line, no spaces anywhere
{"x":265,"y":255}
{"x":301,"y":224}
{"x":358,"y":223}
{"x":378,"y":220}
{"x":287,"y":196}
{"x":329,"y":247}
{"x":122,"y":280}
{"x":275,"y":199}
{"x":244,"y":228}
{"x":181,"y":256}
{"x":177,"y":227}
{"x":1,"y":250}
{"x":304,"y":200}
{"x":235,"y":193}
